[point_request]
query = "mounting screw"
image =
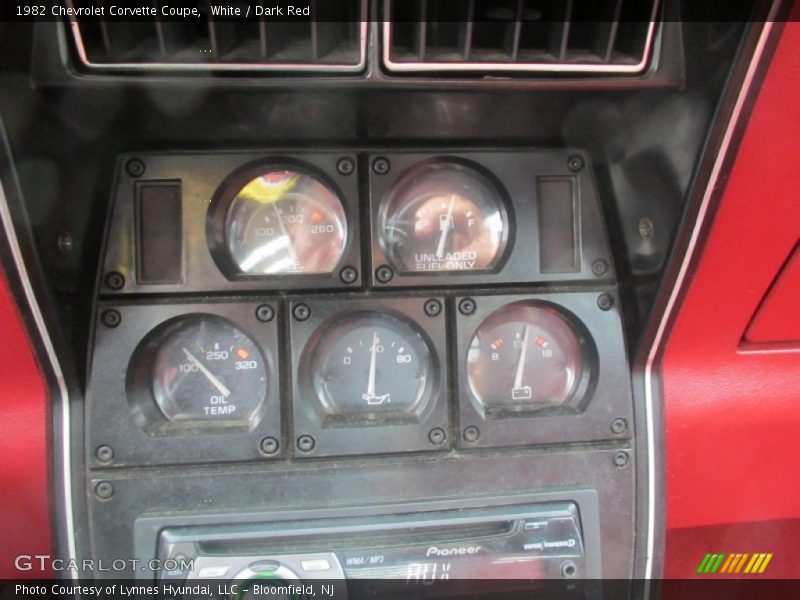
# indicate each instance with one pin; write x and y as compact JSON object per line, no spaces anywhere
{"x":306,"y":443}
{"x":575,"y":163}
{"x":472,"y":434}
{"x":104,"y":490}
{"x":301,"y":312}
{"x":381,"y":165}
{"x":135,"y":167}
{"x":619,"y":426}
{"x":104,"y":454}
{"x":384,"y":274}
{"x":111,"y":318}
{"x":621,"y":458}
{"x":599,"y":267}
{"x":568,"y":569}
{"x":64,"y":243}
{"x":437,"y":436}
{"x":348,"y":275}
{"x":265,"y":313}
{"x":467,"y":306}
{"x":433,"y":307}
{"x":115,"y":280}
{"x":268,"y":446}
{"x":346,"y":166}
{"x":605,"y":301}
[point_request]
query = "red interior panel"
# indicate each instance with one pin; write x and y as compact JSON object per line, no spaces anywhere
{"x":731,"y":416}
{"x":778,"y":318}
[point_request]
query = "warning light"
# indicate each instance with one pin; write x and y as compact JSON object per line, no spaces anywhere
{"x":539,"y":341}
{"x":242,"y":353}
{"x":316,"y":216}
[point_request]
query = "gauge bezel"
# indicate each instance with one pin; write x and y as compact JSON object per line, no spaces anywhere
{"x":310,"y":361}
{"x":140,"y":382}
{"x":379,"y":436}
{"x":582,"y":389}
{"x":228,"y":190}
{"x":603,"y":396}
{"x":134,"y":426}
{"x":458,"y":164}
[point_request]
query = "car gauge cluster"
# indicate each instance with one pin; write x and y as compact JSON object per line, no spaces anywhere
{"x":263,"y":307}
{"x":193,"y":223}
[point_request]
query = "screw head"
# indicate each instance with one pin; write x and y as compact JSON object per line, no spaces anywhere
{"x":433,"y":307}
{"x":348,"y":275}
{"x":104,"y":490}
{"x":569,"y":569}
{"x":381,"y":165}
{"x":306,"y":443}
{"x":619,"y":426}
{"x":467,"y":306}
{"x":437,"y":436}
{"x":384,"y":274}
{"x":111,"y":318}
{"x":265,"y":313}
{"x":575,"y":163}
{"x":345,"y":166}
{"x":268,"y":446}
{"x":115,"y":280}
{"x":135,"y":167}
{"x":472,"y":434}
{"x":64,"y":243}
{"x":599,"y":267}
{"x":301,"y":312}
{"x":621,"y":458}
{"x":104,"y":454}
{"x":605,"y":302}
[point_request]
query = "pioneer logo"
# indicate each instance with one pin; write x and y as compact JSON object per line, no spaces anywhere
{"x":454,"y":551}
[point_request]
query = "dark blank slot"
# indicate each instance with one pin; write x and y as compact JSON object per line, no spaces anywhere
{"x":558,"y":250}
{"x":159,"y":233}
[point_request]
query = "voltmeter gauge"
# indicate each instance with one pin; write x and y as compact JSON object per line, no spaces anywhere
{"x":203,"y":368}
{"x":371,"y":367}
{"x":283,"y":221}
{"x":444,"y":217}
{"x":525,"y":357}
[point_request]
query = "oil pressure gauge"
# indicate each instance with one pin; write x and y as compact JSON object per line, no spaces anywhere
{"x":526,"y":357}
{"x":370,"y":367}
{"x":444,"y":216}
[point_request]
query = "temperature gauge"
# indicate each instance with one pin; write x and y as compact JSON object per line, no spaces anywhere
{"x":525,"y":357}
{"x":371,"y":367}
{"x":282,"y":221}
{"x":444,"y":217}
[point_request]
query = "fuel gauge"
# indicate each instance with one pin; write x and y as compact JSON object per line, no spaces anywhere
{"x":444,"y":216}
{"x":526,"y":357}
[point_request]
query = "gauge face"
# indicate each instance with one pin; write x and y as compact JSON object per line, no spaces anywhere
{"x":371,"y":366}
{"x":283,"y":222}
{"x":208,"y":370}
{"x":524,"y":357}
{"x":444,"y":217}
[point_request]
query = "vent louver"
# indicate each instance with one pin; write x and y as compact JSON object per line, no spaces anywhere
{"x":571,"y":36}
{"x":333,"y":39}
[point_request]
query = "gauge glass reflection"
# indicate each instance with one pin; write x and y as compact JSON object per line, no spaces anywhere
{"x":524,"y":357}
{"x":285,"y":221}
{"x":371,"y":366}
{"x":208,"y":370}
{"x":444,"y":217}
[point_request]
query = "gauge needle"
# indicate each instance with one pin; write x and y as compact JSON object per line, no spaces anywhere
{"x":209,"y":375}
{"x":445,"y":228}
{"x":289,"y":241}
{"x":521,"y":361}
{"x":372,"y":365}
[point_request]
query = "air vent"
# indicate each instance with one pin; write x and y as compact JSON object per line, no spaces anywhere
{"x":333,"y":38}
{"x":571,"y":36}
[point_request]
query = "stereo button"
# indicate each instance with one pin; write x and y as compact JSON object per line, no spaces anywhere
{"x":319,"y":564}
{"x":212,"y":572}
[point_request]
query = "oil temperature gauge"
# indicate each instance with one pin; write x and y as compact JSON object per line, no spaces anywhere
{"x":371,"y":367}
{"x":444,"y":217}
{"x":201,"y":368}
{"x":526,"y":357}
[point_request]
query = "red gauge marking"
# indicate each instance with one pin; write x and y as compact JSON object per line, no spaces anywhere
{"x":242,"y":353}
